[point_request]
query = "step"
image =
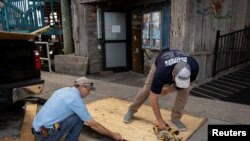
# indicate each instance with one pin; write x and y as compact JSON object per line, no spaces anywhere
{"x":240,"y":82}
{"x":228,"y":84}
{"x":216,"y":89}
{"x":222,"y":87}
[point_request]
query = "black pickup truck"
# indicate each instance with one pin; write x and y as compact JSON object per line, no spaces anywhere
{"x":20,"y":65}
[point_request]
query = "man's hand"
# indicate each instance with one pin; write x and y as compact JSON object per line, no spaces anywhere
{"x":117,"y":136}
{"x":162,"y":125}
{"x":103,"y":130}
{"x":156,"y":109}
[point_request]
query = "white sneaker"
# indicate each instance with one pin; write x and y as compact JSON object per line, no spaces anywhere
{"x":129,"y":116}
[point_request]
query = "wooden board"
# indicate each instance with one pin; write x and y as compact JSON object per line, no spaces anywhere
{"x":16,"y":36}
{"x":30,"y":113}
{"x":110,"y":112}
{"x":41,"y":30}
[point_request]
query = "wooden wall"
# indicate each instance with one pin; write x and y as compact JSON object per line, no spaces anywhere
{"x":177,"y":28}
{"x":85,"y":35}
{"x":248,"y":15}
{"x":194,"y":24}
{"x":201,"y":22}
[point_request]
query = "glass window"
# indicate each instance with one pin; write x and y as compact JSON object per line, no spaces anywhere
{"x":146,"y":30}
{"x":151,"y":33}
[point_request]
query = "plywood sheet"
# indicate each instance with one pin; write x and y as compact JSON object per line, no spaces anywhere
{"x":30,"y":113}
{"x":41,"y":30}
{"x":16,"y":36}
{"x":110,"y":112}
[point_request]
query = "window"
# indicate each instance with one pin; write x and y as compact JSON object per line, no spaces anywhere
{"x":156,"y":27}
{"x":151,"y":33}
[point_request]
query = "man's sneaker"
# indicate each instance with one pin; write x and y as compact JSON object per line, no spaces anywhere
{"x":179,"y":124}
{"x":129,"y":116}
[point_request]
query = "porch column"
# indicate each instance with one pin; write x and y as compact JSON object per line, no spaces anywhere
{"x":66,"y":23}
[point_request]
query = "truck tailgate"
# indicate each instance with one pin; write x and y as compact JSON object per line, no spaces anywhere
{"x":17,"y":61}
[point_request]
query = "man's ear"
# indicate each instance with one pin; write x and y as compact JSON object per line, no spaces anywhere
{"x":173,"y":75}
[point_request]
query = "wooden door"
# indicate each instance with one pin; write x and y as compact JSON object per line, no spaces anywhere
{"x":137,"y":55}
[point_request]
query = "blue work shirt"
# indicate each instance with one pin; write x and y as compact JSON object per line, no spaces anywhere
{"x":61,"y":105}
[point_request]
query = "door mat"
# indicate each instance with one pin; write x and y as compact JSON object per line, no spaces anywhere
{"x":110,"y":112}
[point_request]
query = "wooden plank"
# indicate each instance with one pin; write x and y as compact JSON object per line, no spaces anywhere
{"x":30,"y":113}
{"x":178,"y":17}
{"x":16,"y":36}
{"x":110,"y":112}
{"x":63,"y":63}
{"x":41,"y":30}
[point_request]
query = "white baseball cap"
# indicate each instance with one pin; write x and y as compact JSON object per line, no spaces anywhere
{"x":86,"y":82}
{"x":182,"y":73}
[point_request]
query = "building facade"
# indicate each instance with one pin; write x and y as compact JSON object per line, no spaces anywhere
{"x":127,"y":35}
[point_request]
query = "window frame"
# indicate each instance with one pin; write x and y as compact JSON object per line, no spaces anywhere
{"x":149,"y":23}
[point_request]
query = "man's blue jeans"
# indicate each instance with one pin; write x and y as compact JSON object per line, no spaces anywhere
{"x":70,"y":128}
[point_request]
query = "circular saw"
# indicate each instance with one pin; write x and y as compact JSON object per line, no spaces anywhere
{"x":166,"y":135}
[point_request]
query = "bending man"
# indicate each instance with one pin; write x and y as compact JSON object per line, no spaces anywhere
{"x":173,"y":70}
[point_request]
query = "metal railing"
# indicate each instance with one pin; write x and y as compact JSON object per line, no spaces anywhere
{"x":30,"y":15}
{"x":22,"y":15}
{"x":46,"y":54}
{"x":231,"y":50}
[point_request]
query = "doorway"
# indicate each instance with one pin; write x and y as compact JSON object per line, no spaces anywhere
{"x":115,"y":41}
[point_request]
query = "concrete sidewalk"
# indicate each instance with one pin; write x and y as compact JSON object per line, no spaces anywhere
{"x":217,"y":112}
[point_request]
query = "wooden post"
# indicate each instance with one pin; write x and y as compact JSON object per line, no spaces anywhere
{"x":216,"y":52}
{"x":67,"y":33}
